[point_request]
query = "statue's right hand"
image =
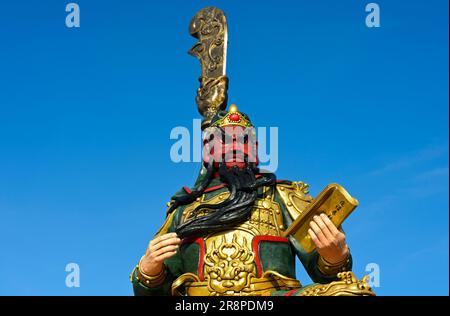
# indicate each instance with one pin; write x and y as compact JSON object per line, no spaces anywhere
{"x":158,"y":250}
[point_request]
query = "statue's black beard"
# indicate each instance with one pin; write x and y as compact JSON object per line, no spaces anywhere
{"x":229,"y":213}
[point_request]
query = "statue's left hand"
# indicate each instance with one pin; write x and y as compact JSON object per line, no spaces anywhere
{"x":329,"y":241}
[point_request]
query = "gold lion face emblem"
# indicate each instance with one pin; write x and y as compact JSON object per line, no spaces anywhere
{"x":229,"y":267}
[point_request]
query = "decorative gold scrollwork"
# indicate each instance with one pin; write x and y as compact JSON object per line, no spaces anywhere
{"x":229,"y":266}
{"x":209,"y":26}
{"x":348,"y":285}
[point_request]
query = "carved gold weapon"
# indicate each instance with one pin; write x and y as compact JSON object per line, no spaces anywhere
{"x":209,"y":26}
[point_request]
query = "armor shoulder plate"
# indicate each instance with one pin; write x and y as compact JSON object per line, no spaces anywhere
{"x":295,"y":197}
{"x":164,"y":229}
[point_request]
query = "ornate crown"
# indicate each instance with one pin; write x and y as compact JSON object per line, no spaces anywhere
{"x":233,"y":117}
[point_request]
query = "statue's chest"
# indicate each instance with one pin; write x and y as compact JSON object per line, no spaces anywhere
{"x":230,"y":261}
{"x":266,"y":216}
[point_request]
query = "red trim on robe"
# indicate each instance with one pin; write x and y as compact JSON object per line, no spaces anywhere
{"x":201,"y":243}
{"x":255,"y":248}
{"x":220,"y":186}
{"x":290,"y":292}
{"x":188,"y":191}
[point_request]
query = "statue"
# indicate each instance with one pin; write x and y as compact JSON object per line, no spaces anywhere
{"x":231,"y":233}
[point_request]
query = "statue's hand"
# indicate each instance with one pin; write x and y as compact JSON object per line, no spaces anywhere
{"x":159,"y":249}
{"x":329,"y":241}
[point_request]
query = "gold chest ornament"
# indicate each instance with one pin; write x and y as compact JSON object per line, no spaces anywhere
{"x":228,"y":261}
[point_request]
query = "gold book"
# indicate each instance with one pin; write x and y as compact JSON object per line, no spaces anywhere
{"x":334,"y":201}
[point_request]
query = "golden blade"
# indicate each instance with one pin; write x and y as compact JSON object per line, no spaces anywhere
{"x":209,"y":26}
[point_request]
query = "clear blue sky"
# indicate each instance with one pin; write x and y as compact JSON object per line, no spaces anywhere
{"x":85,"y":117}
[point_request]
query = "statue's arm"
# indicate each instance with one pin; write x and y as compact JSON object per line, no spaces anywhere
{"x":172,"y":266}
{"x":318,"y":270}
{"x":316,"y":267}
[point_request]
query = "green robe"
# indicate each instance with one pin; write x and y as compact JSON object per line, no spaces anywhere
{"x":279,"y":257}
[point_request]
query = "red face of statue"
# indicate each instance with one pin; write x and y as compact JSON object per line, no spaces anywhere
{"x":235,"y":145}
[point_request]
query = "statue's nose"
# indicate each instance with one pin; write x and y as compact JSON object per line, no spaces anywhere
{"x":228,"y":284}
